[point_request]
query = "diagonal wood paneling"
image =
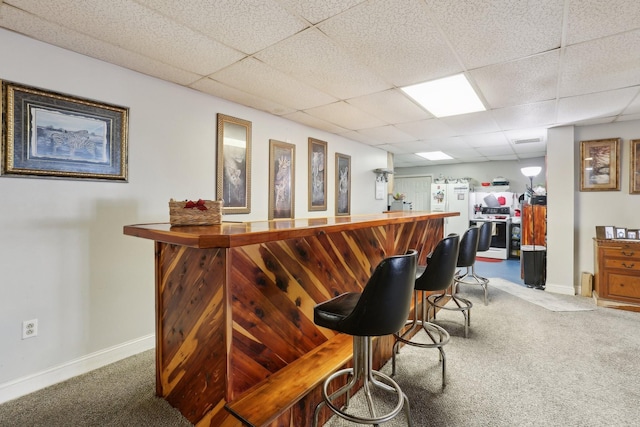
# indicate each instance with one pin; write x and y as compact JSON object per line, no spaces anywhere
{"x":228,"y":318}
{"x":190,"y":333}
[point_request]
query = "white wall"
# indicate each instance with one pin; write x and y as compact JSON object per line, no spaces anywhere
{"x":484,"y":172}
{"x":618,"y":208}
{"x":64,"y":259}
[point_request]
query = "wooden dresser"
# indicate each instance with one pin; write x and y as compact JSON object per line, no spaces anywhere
{"x":617,"y":273}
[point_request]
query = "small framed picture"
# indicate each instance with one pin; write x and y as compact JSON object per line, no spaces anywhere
{"x":281,"y":179}
{"x":609,"y":232}
{"x":632,"y":234}
{"x":621,"y":233}
{"x":343,"y":184}
{"x":604,"y":232}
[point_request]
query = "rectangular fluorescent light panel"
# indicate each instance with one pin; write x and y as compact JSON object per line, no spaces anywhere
{"x":435,"y":155}
{"x":449,"y":96}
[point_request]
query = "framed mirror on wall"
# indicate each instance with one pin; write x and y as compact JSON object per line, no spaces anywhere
{"x":234,"y":164}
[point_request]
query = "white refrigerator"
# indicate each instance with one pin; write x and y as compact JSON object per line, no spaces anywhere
{"x":452,"y":197}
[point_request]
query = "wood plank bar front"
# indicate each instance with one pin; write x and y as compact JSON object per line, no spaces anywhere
{"x":234,"y":302}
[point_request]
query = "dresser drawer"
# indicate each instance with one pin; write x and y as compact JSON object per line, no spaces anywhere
{"x":623,"y":285}
{"x":621,"y":252}
{"x":622,"y":264}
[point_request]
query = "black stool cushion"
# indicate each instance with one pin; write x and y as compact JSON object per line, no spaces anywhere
{"x":383,"y":306}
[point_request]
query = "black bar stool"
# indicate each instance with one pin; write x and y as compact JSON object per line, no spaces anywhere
{"x":470,"y":277}
{"x":437,"y":275}
{"x":381,"y":309}
{"x":466,"y":257}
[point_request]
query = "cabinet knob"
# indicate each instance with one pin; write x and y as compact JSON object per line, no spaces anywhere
{"x":624,"y":264}
{"x":628,"y":253}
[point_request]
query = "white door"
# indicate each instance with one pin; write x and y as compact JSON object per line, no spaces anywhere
{"x":417,"y":189}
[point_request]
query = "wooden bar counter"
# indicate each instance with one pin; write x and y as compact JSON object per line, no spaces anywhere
{"x":234,"y":302}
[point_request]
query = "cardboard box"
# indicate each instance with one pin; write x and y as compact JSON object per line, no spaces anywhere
{"x":586,"y":285}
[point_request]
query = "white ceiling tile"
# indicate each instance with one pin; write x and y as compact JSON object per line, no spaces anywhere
{"x":603,"y":64}
{"x":396,"y":39}
{"x":486,"y":140}
{"x":487,"y":32}
{"x":600,"y":19}
{"x":392,"y":106}
{"x":501,"y":158}
{"x":315,"y":122}
{"x":394,"y":148}
{"x":466,"y":124}
{"x":40,"y":29}
{"x":316,"y":11}
{"x":153,"y":35}
{"x":526,"y":116}
{"x":312,"y":58}
{"x":257,"y":78}
{"x":345,"y":115}
{"x":223,"y":91}
{"x":248,"y":25}
{"x":628,"y":117}
{"x":634,"y":105}
{"x":386,"y":134}
{"x":424,"y":129}
{"x":523,"y":81}
{"x":601,"y":104}
{"x":499,"y":150}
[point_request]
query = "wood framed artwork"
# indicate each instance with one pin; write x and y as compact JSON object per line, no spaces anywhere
{"x":317,"y":175}
{"x":281,"y":179}
{"x":234,"y":164}
{"x":48,"y":134}
{"x":343,"y":184}
{"x":634,"y":179}
{"x":600,"y":165}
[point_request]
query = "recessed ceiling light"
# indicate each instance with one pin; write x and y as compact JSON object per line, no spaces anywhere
{"x":435,"y":155}
{"x":449,"y":96}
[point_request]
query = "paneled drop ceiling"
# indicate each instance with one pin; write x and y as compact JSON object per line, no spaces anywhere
{"x":337,"y":65}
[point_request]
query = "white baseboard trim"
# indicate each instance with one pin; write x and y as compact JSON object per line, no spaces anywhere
{"x":559,"y":289}
{"x":34,"y":382}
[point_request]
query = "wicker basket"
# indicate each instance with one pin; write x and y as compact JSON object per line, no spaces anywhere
{"x":200,"y":212}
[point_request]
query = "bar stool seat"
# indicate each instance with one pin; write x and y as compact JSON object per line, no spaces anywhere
{"x":437,"y":275}
{"x":381,"y":309}
{"x":466,"y":256}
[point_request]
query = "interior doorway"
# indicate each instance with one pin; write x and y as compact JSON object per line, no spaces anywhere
{"x":417,"y":190}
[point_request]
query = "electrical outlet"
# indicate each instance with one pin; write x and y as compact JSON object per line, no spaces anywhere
{"x":29,"y":328}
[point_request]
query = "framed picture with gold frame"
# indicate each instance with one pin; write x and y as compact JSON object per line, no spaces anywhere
{"x":343,"y":184}
{"x":634,"y":178}
{"x":53,"y":135}
{"x":281,"y":179}
{"x":600,"y":165}
{"x":233,"y":180}
{"x":317,"y":175}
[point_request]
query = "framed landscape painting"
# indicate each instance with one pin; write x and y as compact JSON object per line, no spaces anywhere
{"x":343,"y":184}
{"x":281,"y":179}
{"x":48,"y":134}
{"x":600,"y":165}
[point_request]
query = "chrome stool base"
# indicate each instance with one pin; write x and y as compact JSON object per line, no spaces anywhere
{"x":362,"y":372}
{"x":471,"y":278}
{"x":461,"y":304}
{"x":432,"y":330}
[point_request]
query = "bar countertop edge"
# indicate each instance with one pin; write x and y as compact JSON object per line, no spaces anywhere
{"x":233,"y":234}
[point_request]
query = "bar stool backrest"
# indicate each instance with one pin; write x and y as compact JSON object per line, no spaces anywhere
{"x":484,"y":242}
{"x":468,"y":247}
{"x":385,"y":302}
{"x":441,"y":265}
